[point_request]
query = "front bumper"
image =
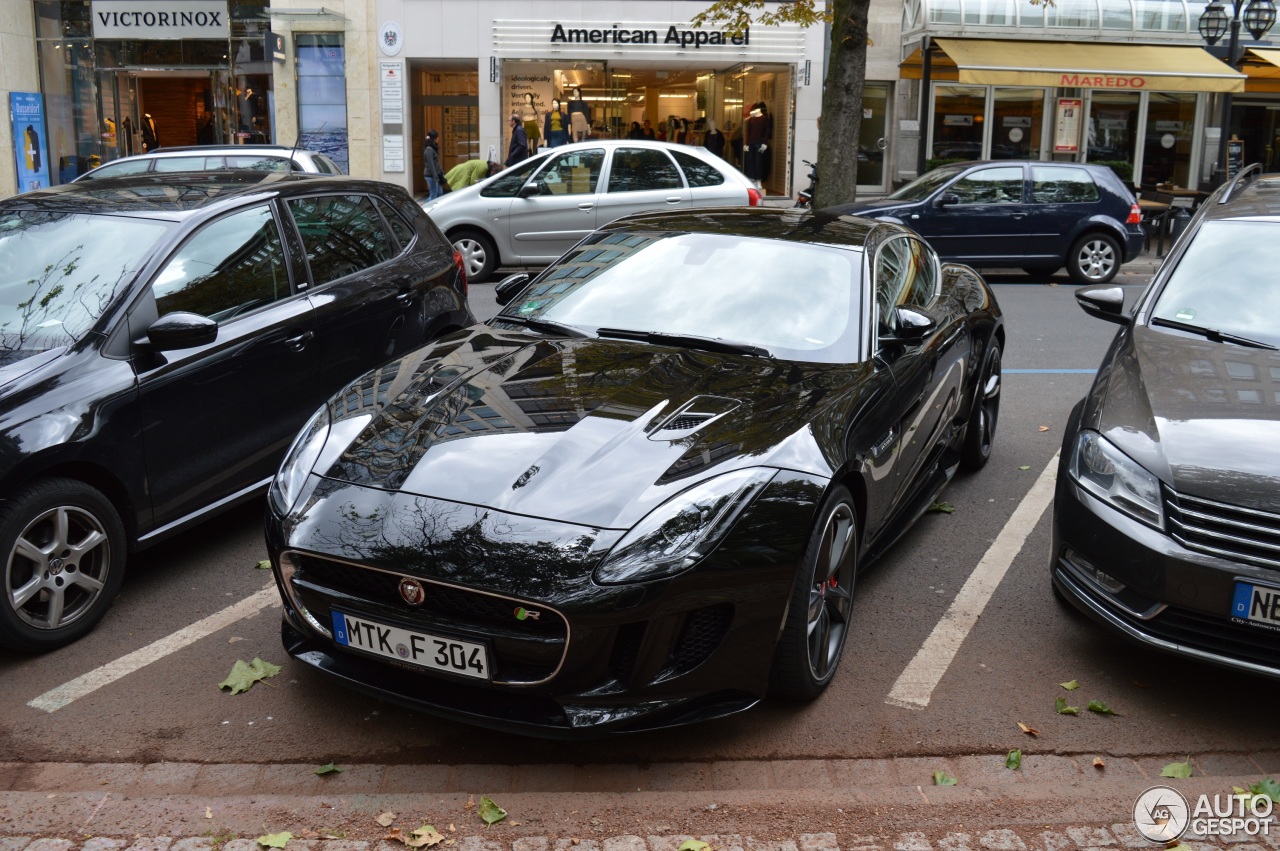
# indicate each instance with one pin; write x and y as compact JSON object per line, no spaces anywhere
{"x":1175,"y":599}
{"x":597,"y":660}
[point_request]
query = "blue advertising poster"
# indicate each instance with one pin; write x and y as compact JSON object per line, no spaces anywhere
{"x":26,"y":110}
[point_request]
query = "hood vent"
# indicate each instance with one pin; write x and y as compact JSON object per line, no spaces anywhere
{"x":691,"y":416}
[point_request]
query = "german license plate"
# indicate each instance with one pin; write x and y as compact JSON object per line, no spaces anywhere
{"x":417,"y":648}
{"x":1256,"y":604}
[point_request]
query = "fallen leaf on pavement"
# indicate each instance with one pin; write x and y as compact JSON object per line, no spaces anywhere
{"x":1024,"y":466}
{"x":1098,"y":763}
{"x":1029,"y":730}
{"x":1044,"y":428}
{"x":244,"y":674}
{"x":265,"y":564}
{"x":1101,"y":708}
{"x":329,"y":768}
{"x":1266,"y":787}
{"x":1177,"y":770}
{"x":490,"y":812}
{"x":1070,"y":685}
{"x":693,"y":845}
{"x":941,"y":778}
{"x":1014,"y":760}
{"x":275,"y":840}
{"x":208,"y":812}
{"x":385,"y":819}
{"x":943,"y":508}
{"x":1060,"y":705}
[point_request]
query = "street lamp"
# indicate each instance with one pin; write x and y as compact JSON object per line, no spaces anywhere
{"x":1259,"y":17}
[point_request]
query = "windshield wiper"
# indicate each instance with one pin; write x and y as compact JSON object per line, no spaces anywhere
{"x":546,"y":326}
{"x":711,"y":344}
{"x":1212,"y":334}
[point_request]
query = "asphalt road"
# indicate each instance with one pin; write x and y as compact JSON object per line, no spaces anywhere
{"x":1007,"y":670}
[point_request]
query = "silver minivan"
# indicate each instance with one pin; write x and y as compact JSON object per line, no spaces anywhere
{"x":216,"y":158}
{"x":537,"y":210}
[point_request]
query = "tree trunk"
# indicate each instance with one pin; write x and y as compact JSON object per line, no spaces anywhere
{"x":842,"y":104}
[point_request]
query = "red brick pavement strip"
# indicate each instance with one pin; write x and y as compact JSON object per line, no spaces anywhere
{"x":1054,"y":803}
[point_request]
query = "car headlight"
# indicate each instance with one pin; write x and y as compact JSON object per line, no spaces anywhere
{"x":680,"y":532}
{"x":299,"y":461}
{"x":1110,"y":475}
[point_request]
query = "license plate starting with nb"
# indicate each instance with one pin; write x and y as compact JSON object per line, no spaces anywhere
{"x":423,"y":649}
{"x":1258,"y":605}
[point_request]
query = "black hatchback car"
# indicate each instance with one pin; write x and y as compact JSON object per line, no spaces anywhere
{"x":1036,"y":216}
{"x":161,"y":342}
{"x":1166,"y":524}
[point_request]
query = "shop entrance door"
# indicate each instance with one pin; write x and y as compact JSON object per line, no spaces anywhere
{"x":118,"y":106}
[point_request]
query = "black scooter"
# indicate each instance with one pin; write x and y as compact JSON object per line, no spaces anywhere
{"x":805,"y":198}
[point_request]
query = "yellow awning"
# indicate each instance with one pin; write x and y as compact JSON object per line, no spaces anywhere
{"x":1262,"y":67}
{"x":1085,"y":65}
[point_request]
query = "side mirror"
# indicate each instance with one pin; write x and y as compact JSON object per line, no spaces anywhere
{"x":510,"y":286}
{"x":529,"y":190}
{"x":947,"y":199}
{"x":912,"y":326}
{"x":1106,"y":303}
{"x":181,"y":330}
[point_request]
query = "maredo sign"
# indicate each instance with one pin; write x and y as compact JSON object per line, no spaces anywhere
{"x":1102,"y":81}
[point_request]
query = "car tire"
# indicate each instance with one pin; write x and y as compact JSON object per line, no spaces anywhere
{"x":479,"y":255}
{"x":64,"y":560}
{"x":980,"y":430}
{"x":1094,"y":259}
{"x":1040,"y":271}
{"x":820,"y":613}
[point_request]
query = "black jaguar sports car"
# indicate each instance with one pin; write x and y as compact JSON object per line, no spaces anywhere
{"x":641,"y":494}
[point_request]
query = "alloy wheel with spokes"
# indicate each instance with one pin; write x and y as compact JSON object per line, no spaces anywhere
{"x":821,"y":609}
{"x":1094,"y":259}
{"x":63,"y":562}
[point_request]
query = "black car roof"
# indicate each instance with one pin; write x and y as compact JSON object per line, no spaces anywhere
{"x":175,"y":194}
{"x":787,"y":224}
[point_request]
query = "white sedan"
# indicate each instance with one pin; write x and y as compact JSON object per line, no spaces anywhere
{"x":537,"y":210}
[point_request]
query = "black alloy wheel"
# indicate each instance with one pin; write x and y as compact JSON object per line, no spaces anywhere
{"x":821,"y":607}
{"x":980,"y":430}
{"x":64,"y":557}
{"x":1094,"y":259}
{"x":479,"y":255}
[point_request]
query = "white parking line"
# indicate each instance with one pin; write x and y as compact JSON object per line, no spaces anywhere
{"x":55,"y":699}
{"x":915,"y":686}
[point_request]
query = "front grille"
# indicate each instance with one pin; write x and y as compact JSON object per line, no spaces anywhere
{"x":527,"y":650}
{"x":1222,"y":530}
{"x":1218,"y":636}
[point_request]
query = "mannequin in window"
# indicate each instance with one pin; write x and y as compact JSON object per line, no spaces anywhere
{"x":682,"y":131}
{"x":529,"y":116}
{"x":150,"y":138}
{"x":207,"y":133}
{"x":579,"y":116}
{"x":555,"y":125}
{"x":126,"y":141}
{"x":756,"y":145}
{"x":713,"y":141}
{"x":646,"y":132}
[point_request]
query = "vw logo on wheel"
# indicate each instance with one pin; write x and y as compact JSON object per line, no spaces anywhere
{"x":411,"y":591}
{"x":1161,"y":814}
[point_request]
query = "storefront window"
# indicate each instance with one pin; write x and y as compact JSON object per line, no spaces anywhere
{"x":1257,"y":123}
{"x":873,"y":134}
{"x":450,"y":104}
{"x":1074,"y":14}
{"x":1171,"y":121}
{"x":322,"y":96}
{"x":1113,"y":124}
{"x":958,"y":115}
{"x":1017,"y":120}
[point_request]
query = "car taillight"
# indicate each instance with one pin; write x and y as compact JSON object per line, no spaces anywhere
{"x":462,"y":270}
{"x":754,"y":197}
{"x":1135,"y":215}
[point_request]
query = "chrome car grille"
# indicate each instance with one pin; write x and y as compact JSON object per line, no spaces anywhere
{"x":1223,"y":530}
{"x":524,"y":652}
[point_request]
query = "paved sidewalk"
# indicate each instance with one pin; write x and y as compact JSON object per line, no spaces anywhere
{"x":1053,"y":803}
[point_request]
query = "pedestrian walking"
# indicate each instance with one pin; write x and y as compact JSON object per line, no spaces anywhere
{"x":431,"y":170}
{"x":519,"y":148}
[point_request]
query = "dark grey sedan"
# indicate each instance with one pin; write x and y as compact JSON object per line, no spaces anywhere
{"x":1167,"y":513}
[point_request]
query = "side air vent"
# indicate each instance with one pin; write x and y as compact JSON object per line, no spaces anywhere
{"x":690,"y":417}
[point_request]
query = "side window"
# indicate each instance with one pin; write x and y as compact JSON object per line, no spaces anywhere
{"x":573,"y":173}
{"x":906,"y":275}
{"x":697,"y":172}
{"x":1062,"y":185}
{"x":402,"y":229}
{"x":323,"y":164}
{"x":229,"y":267}
{"x":201,"y":163}
{"x":637,"y":169}
{"x":510,"y":182}
{"x":990,"y":186}
{"x":117,"y":169}
{"x":258,"y":163}
{"x":342,"y":235}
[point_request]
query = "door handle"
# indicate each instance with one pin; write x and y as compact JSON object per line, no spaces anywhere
{"x":404,"y":296}
{"x":299,"y":342}
{"x":674,"y":199}
{"x":586,"y":205}
{"x":915,"y":216}
{"x":1019,"y":215}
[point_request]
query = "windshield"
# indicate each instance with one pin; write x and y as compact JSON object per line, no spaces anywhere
{"x":1226,"y":281}
{"x":59,"y":271}
{"x":507,"y":184}
{"x":797,"y":300}
{"x":926,"y":184}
